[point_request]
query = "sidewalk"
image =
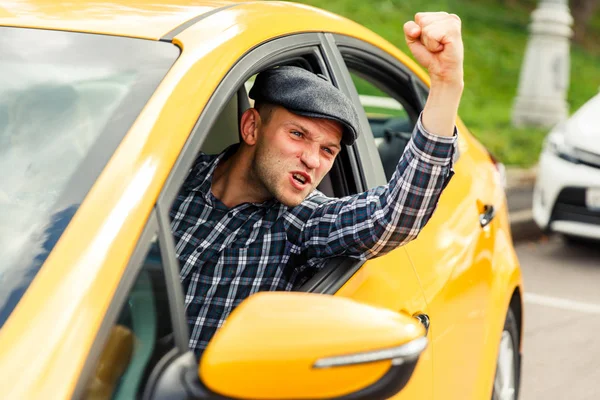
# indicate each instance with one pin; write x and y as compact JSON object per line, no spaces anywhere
{"x":519,"y":193}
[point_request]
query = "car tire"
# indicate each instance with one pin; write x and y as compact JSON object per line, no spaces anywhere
{"x":577,"y":241}
{"x":508,"y":364}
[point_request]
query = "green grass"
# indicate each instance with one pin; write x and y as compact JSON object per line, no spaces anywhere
{"x":495,"y":38}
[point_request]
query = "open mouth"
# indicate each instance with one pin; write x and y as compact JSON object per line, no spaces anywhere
{"x":299,"y":178}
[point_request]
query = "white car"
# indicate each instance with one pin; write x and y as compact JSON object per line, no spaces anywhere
{"x":566,"y":197}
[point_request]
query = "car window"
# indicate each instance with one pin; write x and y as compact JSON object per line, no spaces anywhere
{"x":66,"y":101}
{"x":140,"y":337}
{"x":390,"y":122}
{"x":387,"y":117}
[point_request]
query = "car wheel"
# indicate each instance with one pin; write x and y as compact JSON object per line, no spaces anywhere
{"x":577,"y":241}
{"x":506,"y":381}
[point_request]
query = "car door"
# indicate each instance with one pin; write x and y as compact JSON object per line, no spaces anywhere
{"x":452,"y":255}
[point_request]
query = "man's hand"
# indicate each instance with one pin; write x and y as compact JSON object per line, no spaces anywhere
{"x":435,"y":40}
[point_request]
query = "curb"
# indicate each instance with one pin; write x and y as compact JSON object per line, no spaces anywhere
{"x":520,"y":182}
{"x":523,"y":227}
{"x":520,"y":177}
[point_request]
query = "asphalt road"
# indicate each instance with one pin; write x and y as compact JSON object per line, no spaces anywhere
{"x":562,"y":320}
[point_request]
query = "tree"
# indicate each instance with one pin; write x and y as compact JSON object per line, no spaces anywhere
{"x":582,"y":11}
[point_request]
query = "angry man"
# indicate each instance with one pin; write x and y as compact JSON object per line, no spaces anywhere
{"x":250,"y":219}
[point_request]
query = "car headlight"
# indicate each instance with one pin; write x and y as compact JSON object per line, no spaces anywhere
{"x":556,"y":143}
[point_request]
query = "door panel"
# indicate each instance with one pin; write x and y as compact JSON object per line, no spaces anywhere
{"x":390,"y":282}
{"x":453,"y":259}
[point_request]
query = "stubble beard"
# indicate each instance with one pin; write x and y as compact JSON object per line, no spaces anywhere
{"x":269,"y":171}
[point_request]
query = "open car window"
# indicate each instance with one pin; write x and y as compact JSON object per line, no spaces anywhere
{"x":389,"y":100}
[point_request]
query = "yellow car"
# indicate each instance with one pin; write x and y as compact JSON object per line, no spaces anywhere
{"x":104,"y":107}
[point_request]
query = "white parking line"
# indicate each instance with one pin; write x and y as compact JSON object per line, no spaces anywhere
{"x":563,"y":304}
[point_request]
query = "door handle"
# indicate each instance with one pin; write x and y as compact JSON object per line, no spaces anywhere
{"x":488,"y":214}
{"x":424,"y":320}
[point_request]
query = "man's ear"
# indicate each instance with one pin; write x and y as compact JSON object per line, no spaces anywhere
{"x":249,"y":125}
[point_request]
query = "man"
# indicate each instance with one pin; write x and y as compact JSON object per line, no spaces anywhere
{"x":250,"y":218}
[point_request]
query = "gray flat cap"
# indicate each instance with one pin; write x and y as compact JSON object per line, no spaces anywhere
{"x":305,"y":93}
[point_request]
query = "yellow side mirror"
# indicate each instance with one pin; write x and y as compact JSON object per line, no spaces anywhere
{"x":280,"y":345}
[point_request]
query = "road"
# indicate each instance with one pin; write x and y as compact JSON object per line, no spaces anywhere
{"x":562,"y":320}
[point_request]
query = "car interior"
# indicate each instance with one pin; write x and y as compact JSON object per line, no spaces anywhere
{"x":393,"y":118}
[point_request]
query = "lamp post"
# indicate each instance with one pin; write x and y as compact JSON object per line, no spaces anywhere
{"x":544,"y":80}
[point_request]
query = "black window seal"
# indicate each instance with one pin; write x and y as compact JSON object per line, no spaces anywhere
{"x":332,"y":276}
{"x":420,"y":87}
{"x":128,"y":278}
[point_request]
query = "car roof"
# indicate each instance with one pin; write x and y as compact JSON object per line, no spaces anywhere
{"x":146,"y":19}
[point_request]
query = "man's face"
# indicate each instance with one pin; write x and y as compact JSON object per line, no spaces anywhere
{"x":294,"y":153}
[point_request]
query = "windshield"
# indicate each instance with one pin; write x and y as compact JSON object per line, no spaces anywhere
{"x":66,"y":101}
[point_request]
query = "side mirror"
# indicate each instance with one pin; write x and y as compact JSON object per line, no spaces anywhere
{"x":280,"y":345}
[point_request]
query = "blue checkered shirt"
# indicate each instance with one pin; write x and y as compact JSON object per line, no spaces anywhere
{"x":227,"y":254}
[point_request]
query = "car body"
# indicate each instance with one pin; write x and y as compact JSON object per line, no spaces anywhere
{"x":93,"y":305}
{"x":567,"y":190}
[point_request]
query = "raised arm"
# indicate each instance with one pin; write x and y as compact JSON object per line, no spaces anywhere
{"x":377,"y":221}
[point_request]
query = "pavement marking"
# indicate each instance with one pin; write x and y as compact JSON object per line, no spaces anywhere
{"x":520,"y":216}
{"x":563,"y":304}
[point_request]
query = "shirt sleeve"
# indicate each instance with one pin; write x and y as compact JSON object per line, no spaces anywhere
{"x":374,"y":222}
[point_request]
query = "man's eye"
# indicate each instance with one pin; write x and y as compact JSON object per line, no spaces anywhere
{"x":328,"y":150}
{"x":296,"y":133}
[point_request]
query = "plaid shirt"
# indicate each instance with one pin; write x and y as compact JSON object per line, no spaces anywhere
{"x":228,"y":254}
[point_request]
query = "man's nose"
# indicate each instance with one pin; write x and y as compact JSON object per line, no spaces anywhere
{"x":310,"y":157}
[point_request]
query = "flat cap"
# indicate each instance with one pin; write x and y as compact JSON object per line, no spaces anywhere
{"x":305,"y":93}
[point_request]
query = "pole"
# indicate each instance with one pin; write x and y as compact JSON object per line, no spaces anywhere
{"x":544,"y":80}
